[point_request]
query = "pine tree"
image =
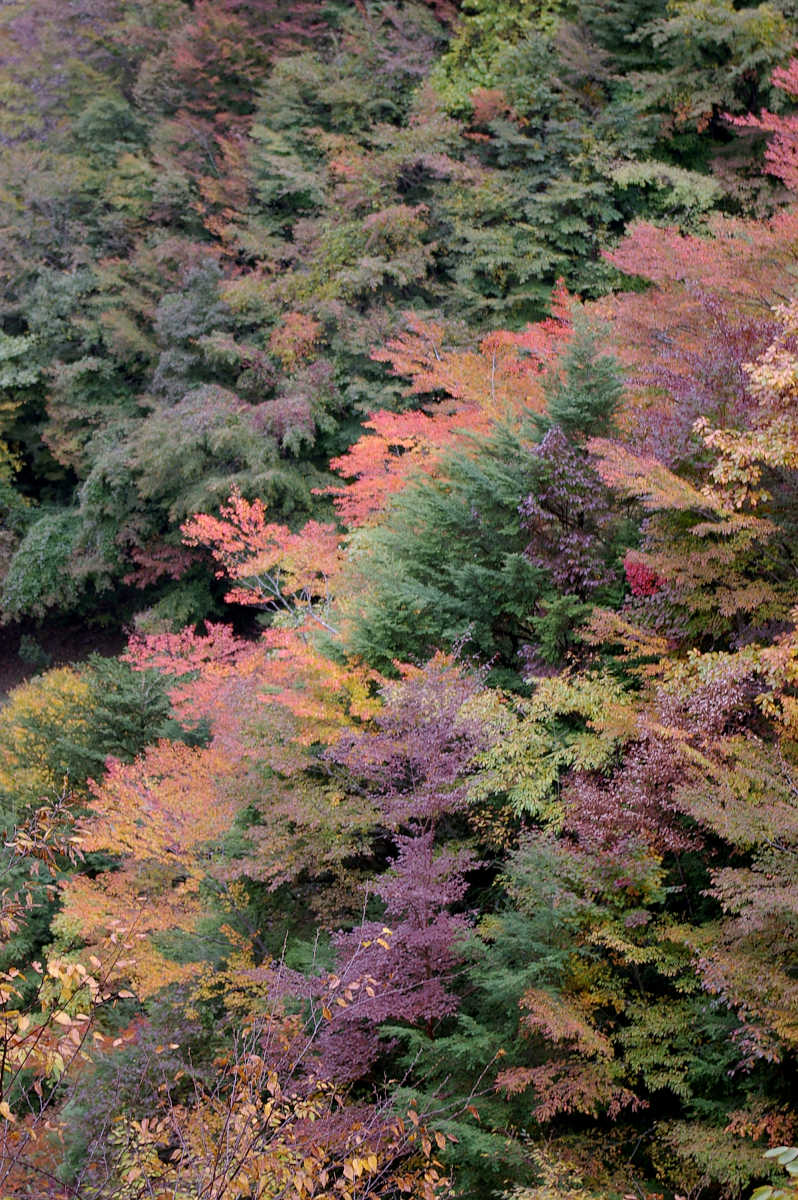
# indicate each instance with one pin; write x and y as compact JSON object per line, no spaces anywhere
{"x":448,"y":563}
{"x":584,"y":390}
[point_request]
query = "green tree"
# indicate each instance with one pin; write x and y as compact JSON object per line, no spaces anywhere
{"x":585,"y":388}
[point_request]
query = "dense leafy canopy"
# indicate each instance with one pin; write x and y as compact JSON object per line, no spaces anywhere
{"x":416,"y":382}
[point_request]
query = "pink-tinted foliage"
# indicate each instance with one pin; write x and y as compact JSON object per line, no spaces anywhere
{"x":635,"y":806}
{"x":567,"y":518}
{"x":407,"y":964}
{"x":781,"y":156}
{"x":706,"y":379}
{"x":272,"y":566}
{"x":185,"y":652}
{"x":426,"y":735}
{"x":156,"y":560}
{"x":469,"y":388}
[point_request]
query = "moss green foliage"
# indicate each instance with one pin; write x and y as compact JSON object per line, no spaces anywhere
{"x":583,"y":396}
{"x":38,"y":577}
{"x":449,"y":562}
{"x":340,"y":169}
{"x":458,"y":558}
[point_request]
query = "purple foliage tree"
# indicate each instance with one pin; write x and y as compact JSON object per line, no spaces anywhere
{"x":706,"y":379}
{"x":426,"y":735}
{"x":568,"y":518}
{"x":403,"y":969}
{"x":414,"y":762}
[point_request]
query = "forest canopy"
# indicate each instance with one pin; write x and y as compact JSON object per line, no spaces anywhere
{"x":412,"y":389}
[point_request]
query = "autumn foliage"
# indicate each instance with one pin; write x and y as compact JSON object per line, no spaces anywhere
{"x":416,"y":382}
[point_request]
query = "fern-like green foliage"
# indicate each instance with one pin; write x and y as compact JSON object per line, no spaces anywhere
{"x":579,"y":723}
{"x":448,"y":564}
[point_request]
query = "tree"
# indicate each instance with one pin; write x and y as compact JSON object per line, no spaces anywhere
{"x":715,"y":553}
{"x":712,"y":59}
{"x":479,"y":551}
{"x":41,"y":725}
{"x":584,"y":389}
{"x":18,"y":378}
{"x":448,"y":561}
{"x":274,"y":568}
{"x":502,"y":379}
{"x":414,"y":761}
{"x":51,"y":1011}
{"x":406,"y":971}
{"x":426,"y":733}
